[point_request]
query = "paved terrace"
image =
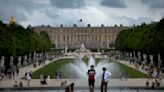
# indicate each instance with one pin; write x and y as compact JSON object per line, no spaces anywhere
{"x":8,"y":83}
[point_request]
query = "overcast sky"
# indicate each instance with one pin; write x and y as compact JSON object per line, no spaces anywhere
{"x":94,"y":12}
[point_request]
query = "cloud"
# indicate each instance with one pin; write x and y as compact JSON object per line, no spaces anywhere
{"x":67,"y":3}
{"x":51,"y":14}
{"x":113,"y":3}
{"x":129,"y":21}
{"x":67,"y":12}
{"x":10,"y":8}
{"x":19,"y":9}
{"x":154,"y":3}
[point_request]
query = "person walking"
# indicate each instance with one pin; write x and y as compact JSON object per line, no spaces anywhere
{"x":91,"y":78}
{"x":28,"y":79}
{"x":105,"y":79}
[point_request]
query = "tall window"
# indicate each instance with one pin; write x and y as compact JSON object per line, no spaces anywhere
{"x":93,"y":38}
{"x":78,"y":37}
{"x":54,"y":39}
{"x":109,"y":37}
{"x":64,"y":38}
{"x":58,"y":38}
{"x":67,"y":37}
{"x":100,"y":37}
{"x":105,"y":37}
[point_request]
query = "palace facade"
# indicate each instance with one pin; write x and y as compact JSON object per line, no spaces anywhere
{"x":74,"y":37}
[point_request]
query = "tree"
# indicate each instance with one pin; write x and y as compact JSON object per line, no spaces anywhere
{"x":146,"y":38}
{"x":18,"y":41}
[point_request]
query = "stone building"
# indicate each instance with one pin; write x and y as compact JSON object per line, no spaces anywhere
{"x":73,"y":37}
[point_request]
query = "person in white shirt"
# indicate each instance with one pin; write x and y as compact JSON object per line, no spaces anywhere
{"x":28,"y":79}
{"x":105,"y":79}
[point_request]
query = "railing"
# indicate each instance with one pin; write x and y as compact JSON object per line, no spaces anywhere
{"x":73,"y":88}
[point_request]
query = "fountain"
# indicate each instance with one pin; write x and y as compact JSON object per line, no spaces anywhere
{"x":79,"y":68}
{"x":82,"y":48}
{"x":66,"y":49}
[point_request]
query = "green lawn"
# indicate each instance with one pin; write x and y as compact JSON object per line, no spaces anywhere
{"x":132,"y":73}
{"x":51,"y":68}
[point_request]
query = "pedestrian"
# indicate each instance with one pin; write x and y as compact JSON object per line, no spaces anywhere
{"x":15,"y":85}
{"x":17,"y":70}
{"x":91,"y":78}
{"x":41,"y":79}
{"x":126,"y":75}
{"x":147,"y":83}
{"x":57,"y":75}
{"x":20,"y":84}
{"x":105,"y":79}
{"x":60,"y":75}
{"x":48,"y":79}
{"x":28,"y":79}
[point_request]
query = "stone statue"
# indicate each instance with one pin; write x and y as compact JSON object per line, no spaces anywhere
{"x":139,"y":56}
{"x":159,"y":61}
{"x":11,"y":60}
{"x":29,"y":58}
{"x":12,"y":20}
{"x":151,"y":60}
{"x":2,"y":61}
{"x":66,"y":48}
{"x":25,"y":60}
{"x":19,"y":61}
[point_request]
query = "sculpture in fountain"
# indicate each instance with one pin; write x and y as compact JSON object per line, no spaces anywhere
{"x":82,"y":48}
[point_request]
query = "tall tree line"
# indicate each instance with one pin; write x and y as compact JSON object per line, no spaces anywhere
{"x":146,"y":38}
{"x":16,"y":40}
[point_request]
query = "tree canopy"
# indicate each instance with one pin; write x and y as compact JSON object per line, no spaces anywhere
{"x":16,"y":40}
{"x":146,"y":38}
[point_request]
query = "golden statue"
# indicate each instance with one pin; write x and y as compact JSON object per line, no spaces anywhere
{"x":12,"y":20}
